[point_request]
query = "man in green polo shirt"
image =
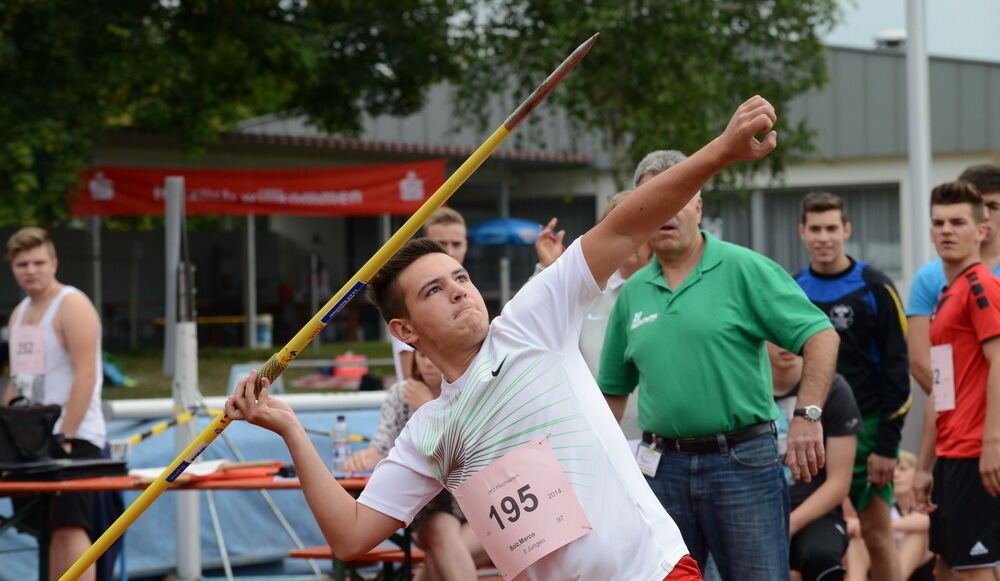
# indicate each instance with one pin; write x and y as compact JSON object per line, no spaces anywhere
{"x":690,"y":329}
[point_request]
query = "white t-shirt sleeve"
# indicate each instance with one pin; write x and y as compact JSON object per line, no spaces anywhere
{"x":549,"y":308}
{"x":402,"y":483}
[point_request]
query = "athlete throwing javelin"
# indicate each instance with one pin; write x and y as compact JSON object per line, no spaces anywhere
{"x":520,"y":434}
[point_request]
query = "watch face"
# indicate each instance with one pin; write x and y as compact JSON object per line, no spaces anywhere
{"x":813,"y":412}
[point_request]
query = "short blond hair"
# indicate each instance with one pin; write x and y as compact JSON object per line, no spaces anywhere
{"x":907,"y":458}
{"x":29,"y":238}
{"x":443,"y":216}
{"x":613,"y":203}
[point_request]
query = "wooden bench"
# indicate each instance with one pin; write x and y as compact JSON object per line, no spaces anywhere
{"x":387,"y":556}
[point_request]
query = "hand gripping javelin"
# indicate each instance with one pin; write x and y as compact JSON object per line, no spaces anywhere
{"x":280,"y":360}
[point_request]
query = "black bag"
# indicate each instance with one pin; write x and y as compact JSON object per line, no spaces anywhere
{"x":26,"y":431}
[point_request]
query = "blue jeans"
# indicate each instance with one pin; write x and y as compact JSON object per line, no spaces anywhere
{"x":732,"y":504}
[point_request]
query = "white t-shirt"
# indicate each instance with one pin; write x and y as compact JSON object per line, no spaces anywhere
{"x":543,"y":388}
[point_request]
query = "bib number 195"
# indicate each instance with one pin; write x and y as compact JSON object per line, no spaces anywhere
{"x":512,"y":507}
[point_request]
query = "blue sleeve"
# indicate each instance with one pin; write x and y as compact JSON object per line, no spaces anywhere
{"x":925,"y":289}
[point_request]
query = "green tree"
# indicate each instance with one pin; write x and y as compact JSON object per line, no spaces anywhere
{"x":70,"y":71}
{"x":665,"y":74}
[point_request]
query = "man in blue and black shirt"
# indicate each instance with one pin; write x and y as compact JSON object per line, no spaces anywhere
{"x":864,"y":307}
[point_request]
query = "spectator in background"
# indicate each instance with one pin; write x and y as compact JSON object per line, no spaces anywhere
{"x":910,"y":529}
{"x":817,"y":527}
{"x":453,"y":551}
{"x":866,"y":312}
{"x":549,"y":247}
{"x":689,"y":329}
{"x":961,"y":439}
{"x":55,"y":353}
{"x":930,"y":279}
{"x":446,"y":227}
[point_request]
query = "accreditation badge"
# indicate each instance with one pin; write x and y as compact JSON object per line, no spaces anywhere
{"x":648,"y":459}
{"x":522,"y":507}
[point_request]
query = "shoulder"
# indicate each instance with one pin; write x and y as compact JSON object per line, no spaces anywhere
{"x":928,"y":273}
{"x":76,"y":307}
{"x":875,"y":278}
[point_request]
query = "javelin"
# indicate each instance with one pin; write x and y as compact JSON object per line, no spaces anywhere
{"x":278,"y":362}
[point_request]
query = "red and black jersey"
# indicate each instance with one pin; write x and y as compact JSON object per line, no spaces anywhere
{"x":966,"y":314}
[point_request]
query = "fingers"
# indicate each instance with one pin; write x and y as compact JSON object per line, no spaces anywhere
{"x":547,"y":230}
{"x":991,"y":482}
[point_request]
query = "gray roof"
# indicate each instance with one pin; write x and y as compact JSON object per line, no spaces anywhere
{"x":861,"y":112}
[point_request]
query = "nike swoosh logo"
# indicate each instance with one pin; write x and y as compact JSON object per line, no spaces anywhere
{"x":593,"y":318}
{"x":496,"y":371}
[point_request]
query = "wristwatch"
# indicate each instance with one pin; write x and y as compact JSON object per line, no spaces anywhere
{"x":811,"y":412}
{"x":60,"y":438}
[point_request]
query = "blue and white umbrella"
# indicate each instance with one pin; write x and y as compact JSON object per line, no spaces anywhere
{"x":503,"y":231}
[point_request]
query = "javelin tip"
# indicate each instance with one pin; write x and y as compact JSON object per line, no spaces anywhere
{"x":539,"y":94}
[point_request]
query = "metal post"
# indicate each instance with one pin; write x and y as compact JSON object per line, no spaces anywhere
{"x":505,"y":259}
{"x":96,"y":295}
{"x":384,"y":233}
{"x":758,"y":224}
{"x":314,"y":293}
{"x":919,"y":131}
{"x":250,"y":283}
{"x":180,"y":361}
{"x":174,"y":210}
{"x":185,"y":396}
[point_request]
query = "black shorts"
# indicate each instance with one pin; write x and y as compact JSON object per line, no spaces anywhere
{"x":965,"y":528}
{"x":817,"y":551}
{"x":68,"y":509}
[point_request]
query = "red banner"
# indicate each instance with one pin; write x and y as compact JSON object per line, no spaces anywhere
{"x":335,"y":191}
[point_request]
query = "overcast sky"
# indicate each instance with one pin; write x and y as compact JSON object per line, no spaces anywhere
{"x":955,"y":28}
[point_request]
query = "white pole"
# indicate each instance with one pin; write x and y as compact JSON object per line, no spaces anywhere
{"x":919,"y":130}
{"x":185,"y":396}
{"x":250,"y":283}
{"x":180,"y":360}
{"x":174,"y":210}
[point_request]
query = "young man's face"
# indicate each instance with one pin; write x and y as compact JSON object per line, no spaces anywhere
{"x":34,"y":269}
{"x":824,"y":234}
{"x":955,"y":233}
{"x":444,"y":306}
{"x":451,"y":237}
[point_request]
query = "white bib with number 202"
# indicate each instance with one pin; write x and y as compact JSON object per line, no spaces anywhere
{"x":522,"y":507}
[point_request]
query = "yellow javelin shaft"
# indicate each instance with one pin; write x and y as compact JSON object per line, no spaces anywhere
{"x":152,"y":492}
{"x":280,"y":360}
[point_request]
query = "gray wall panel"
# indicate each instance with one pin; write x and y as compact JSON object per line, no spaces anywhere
{"x":944,"y":106}
{"x":972,"y":107}
{"x":992,"y":120}
{"x":881,"y":95}
{"x":849,"y":105}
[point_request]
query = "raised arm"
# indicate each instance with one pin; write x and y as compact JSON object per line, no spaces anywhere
{"x":350,"y":528}
{"x":612,"y":240}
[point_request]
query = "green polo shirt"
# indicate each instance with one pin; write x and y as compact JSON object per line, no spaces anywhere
{"x":698,"y":352}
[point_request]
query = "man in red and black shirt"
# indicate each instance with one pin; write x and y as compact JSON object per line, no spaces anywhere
{"x":962,"y":421}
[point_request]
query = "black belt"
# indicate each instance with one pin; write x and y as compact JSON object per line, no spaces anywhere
{"x":709,"y":444}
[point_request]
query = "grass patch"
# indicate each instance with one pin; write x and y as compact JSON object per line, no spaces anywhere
{"x":146,"y":367}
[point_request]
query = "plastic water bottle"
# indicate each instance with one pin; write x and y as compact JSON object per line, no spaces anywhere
{"x":341,"y":448}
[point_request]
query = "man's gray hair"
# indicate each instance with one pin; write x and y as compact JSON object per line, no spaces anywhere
{"x":656,"y":163}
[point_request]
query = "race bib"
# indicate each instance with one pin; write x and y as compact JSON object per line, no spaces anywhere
{"x":27,"y":350}
{"x":943,"y":375}
{"x":522,"y":507}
